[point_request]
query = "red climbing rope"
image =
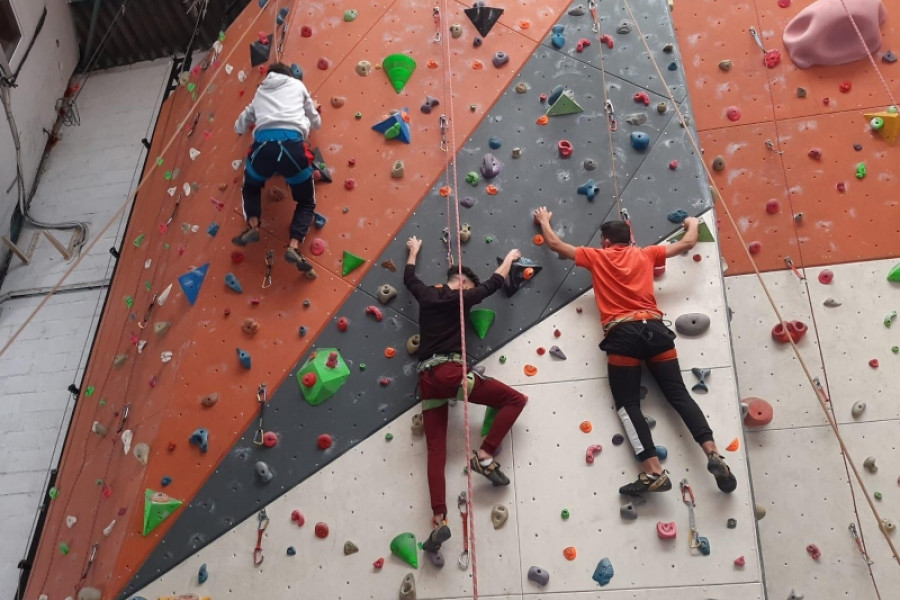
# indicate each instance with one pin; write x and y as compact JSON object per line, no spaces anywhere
{"x":452,"y":198}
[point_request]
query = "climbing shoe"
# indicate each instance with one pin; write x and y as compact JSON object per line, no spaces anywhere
{"x":725,"y":479}
{"x":293,"y":256}
{"x":438,"y":536}
{"x":247,"y":236}
{"x":492,"y":471}
{"x":647,"y":483}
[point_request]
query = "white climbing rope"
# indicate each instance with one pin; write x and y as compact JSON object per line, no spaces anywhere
{"x":862,"y":40}
{"x":822,"y":400}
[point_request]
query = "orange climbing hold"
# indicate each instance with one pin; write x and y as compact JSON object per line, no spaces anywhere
{"x":734,"y":445}
{"x":530,"y":370}
{"x":524,"y":24}
{"x":570,"y":553}
{"x":543,"y":120}
{"x":538,"y":239}
{"x":491,"y":190}
{"x":528,"y":273}
{"x":586,"y":426}
{"x":432,"y":64}
{"x":477,"y":65}
{"x":390,"y":352}
{"x":445,"y":190}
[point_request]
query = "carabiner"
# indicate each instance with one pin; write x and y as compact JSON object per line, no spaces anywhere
{"x":592,"y":5}
{"x":610,"y":115}
{"x":262,"y":400}
{"x":444,"y":126}
{"x":270,"y":261}
{"x":258,"y":557}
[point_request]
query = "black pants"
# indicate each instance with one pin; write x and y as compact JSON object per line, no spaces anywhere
{"x":627,"y":345}
{"x":293,"y":160}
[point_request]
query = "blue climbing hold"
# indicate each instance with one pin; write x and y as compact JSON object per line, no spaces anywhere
{"x":673,"y":66}
{"x":555,"y":93}
{"x":302,"y":330}
{"x":319,"y":220}
{"x":244,"y":357}
{"x":282,"y":15}
{"x":262,"y":3}
{"x":639,"y":140}
{"x":202,"y":574}
{"x":291,"y":551}
{"x":192,"y":281}
{"x":589,"y":189}
{"x":213,"y":229}
{"x":296,"y":71}
{"x":604,"y":572}
{"x":557,"y":38}
{"x":165,"y":481}
{"x":233,"y":284}
{"x":704,"y":545}
{"x":200,"y":438}
{"x":662,"y":453}
{"x":677,"y":216}
{"x":494,"y":142}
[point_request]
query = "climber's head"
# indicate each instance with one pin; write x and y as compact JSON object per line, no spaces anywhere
{"x":615,"y":232}
{"x":468,"y":280}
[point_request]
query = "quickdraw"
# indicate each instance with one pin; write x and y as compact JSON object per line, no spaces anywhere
{"x":262,"y":399}
{"x":463,"y":505}
{"x":448,"y":241}
{"x":790,"y":264}
{"x":125,"y":412}
{"x":855,"y":535}
{"x":697,"y":542}
{"x":436,"y":14}
{"x":444,"y":126}
{"x":258,"y":557}
{"x":611,"y":115}
{"x":771,"y":58}
{"x":90,"y":561}
{"x":143,"y":322}
{"x":270,"y":261}
{"x":174,"y":210}
{"x":592,"y":5}
{"x":627,"y":218}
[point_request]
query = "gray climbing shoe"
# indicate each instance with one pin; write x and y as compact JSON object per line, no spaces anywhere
{"x":492,"y":471}
{"x":293,"y":256}
{"x":647,"y":483}
{"x":438,"y":536}
{"x":247,"y":236}
{"x":725,"y":479}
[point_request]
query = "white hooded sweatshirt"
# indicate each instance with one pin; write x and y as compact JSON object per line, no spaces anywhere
{"x":281,"y":102}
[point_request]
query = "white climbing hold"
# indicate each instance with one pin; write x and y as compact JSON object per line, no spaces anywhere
{"x":166,"y":356}
{"x":108,"y":529}
{"x":142,"y":453}
{"x":795,"y":595}
{"x":236,"y":164}
{"x":171,"y":191}
{"x":140,"y":346}
{"x":70,"y":521}
{"x":186,"y":188}
{"x":194,"y":153}
{"x":869,"y":464}
{"x":147,"y":263}
{"x":242,"y":77}
{"x":165,"y":295}
{"x":89,"y":593}
{"x":858,"y":408}
{"x":127,"y":436}
{"x":228,"y":69}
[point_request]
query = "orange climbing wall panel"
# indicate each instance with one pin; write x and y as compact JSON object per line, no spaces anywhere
{"x":835,"y":227}
{"x":98,"y":482}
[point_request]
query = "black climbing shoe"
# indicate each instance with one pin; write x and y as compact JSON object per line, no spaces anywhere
{"x":725,"y":479}
{"x":247,"y":236}
{"x":647,"y":483}
{"x":438,"y":536}
{"x":293,"y":256}
{"x":492,"y":471}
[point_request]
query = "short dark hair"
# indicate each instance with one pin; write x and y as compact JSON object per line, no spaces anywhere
{"x":617,"y":232}
{"x":280,"y":67}
{"x":466,"y":271}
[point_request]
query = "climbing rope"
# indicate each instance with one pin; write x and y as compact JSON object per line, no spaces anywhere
{"x":452,"y":198}
{"x":820,"y":396}
{"x":862,"y":40}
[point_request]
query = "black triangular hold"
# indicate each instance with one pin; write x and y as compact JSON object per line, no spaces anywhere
{"x":521,"y":272}
{"x":259,"y":52}
{"x":483,"y":18}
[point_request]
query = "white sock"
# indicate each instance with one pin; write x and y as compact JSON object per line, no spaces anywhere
{"x":486,"y":462}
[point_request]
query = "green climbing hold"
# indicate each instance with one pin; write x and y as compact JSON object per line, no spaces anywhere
{"x":399,"y":68}
{"x":565,"y":514}
{"x":393,"y":131}
{"x":878,"y":495}
{"x":489,"y":415}
{"x":138,"y":241}
{"x":472,"y":178}
{"x":861,"y":170}
{"x":704,"y":234}
{"x":191,"y":86}
{"x":129,"y":301}
{"x":166,"y":246}
{"x":147,"y":285}
{"x":159,"y":161}
{"x":89,"y":391}
{"x":890,"y":318}
{"x":564,"y":105}
{"x":895,"y":349}
{"x":388,"y":436}
{"x":64,"y":548}
{"x":53,"y":493}
{"x":404,"y":547}
{"x":350,"y":15}
{"x":894,"y":274}
{"x":481,"y":319}
{"x":157,"y":508}
{"x":362,"y":366}
{"x":489,"y":239}
{"x":328,"y":373}
{"x":221,"y":36}
{"x":102,"y":402}
{"x":350,"y":263}
{"x":502,"y":359}
{"x":168,"y":175}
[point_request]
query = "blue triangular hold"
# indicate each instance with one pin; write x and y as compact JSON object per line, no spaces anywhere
{"x":191,"y":282}
{"x":232,"y":283}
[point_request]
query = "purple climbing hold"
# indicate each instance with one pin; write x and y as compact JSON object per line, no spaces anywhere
{"x":538,"y":575}
{"x":500,"y":58}
{"x":490,"y":166}
{"x":467,"y":202}
{"x":618,"y":439}
{"x":556,"y":352}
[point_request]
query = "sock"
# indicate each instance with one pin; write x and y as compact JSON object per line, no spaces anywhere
{"x":486,"y":462}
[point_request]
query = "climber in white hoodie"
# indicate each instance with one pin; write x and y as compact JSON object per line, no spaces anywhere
{"x":283,"y":113}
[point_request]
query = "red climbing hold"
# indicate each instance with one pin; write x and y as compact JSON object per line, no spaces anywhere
{"x":582,"y":44}
{"x":237,"y":257}
{"x":171,"y":447}
{"x":317,"y":247}
{"x":772,"y":207}
{"x":784,"y":3}
{"x":733,"y":113}
{"x":557,"y":333}
{"x":874,"y":363}
{"x":375,"y":312}
{"x":321,"y":530}
{"x":845,"y":87}
{"x":642,"y":98}
{"x":794,"y":330}
{"x":541,"y":351}
{"x":826,"y":276}
{"x":332,"y":361}
{"x":270,"y":439}
{"x":841,"y":187}
{"x":322,"y":64}
{"x":740,"y":561}
{"x":310,"y":379}
{"x":298,"y":518}
{"x":697,"y":257}
{"x":814,"y":551}
{"x":760,"y":412}
{"x":591,"y":452}
{"x":815,"y":153}
{"x":673,"y":165}
{"x":351,"y":162}
{"x":342,"y":324}
{"x":772,"y":58}
{"x":349,"y":184}
{"x":306,"y":31}
{"x":754,"y":247}
{"x":565,"y":148}
{"x":384,"y":381}
{"x":543,"y":98}
{"x":378,"y":563}
{"x":826,"y":100}
{"x":324,"y":441}
{"x":607,"y":39}
{"x":666,"y":531}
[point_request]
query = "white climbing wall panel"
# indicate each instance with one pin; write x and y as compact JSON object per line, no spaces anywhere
{"x":378,"y":489}
{"x":798,"y":471}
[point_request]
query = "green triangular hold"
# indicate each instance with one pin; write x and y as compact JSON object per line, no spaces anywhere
{"x":399,"y":68}
{"x":566,"y":105}
{"x":404,"y":547}
{"x":704,"y":234}
{"x":350,"y":263}
{"x":894,"y":275}
{"x":328,"y":379}
{"x":481,"y":319}
{"x":157,"y":508}
{"x":489,"y":415}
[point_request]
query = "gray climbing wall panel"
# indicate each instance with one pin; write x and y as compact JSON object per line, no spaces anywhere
{"x":647,"y":187}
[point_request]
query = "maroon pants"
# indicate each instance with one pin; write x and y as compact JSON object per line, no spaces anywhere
{"x":443,"y":381}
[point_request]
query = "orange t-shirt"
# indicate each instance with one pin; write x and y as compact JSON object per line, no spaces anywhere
{"x":622,"y":277}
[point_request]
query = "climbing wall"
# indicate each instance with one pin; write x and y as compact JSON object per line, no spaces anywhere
{"x":182,"y":371}
{"x":569,"y":410}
